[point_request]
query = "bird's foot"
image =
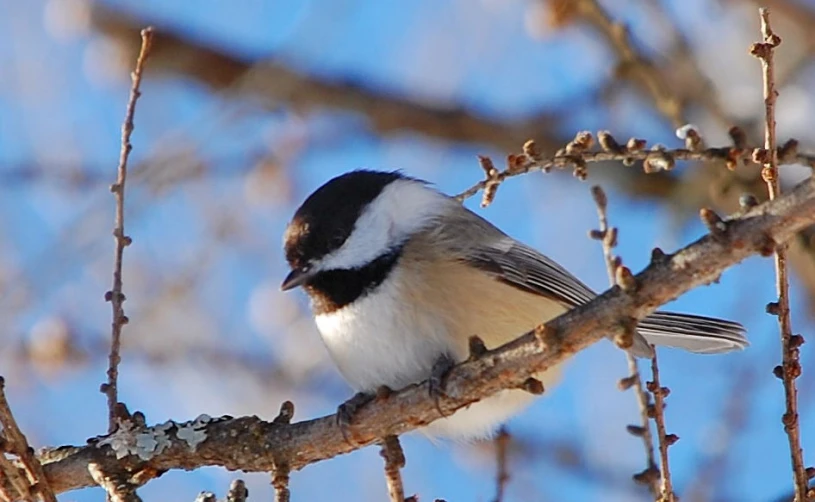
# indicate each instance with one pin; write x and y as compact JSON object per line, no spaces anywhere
{"x":438,"y":379}
{"x":347,"y":410}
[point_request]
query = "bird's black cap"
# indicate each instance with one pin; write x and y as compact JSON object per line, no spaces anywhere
{"x":327,"y":217}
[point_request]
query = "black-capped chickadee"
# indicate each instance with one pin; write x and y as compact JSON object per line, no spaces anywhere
{"x":401,"y":276}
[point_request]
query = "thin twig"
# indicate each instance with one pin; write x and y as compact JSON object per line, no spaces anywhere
{"x":237,"y":491}
{"x":577,"y":155}
{"x":501,"y":465}
{"x":394,"y":461}
{"x":664,"y":439}
{"x":633,"y":64}
{"x":117,"y":487}
{"x":280,"y":482}
{"x":18,"y":444}
{"x":280,"y":473}
{"x":206,"y":497}
{"x":17,"y":487}
{"x":115,"y":296}
{"x":790,"y":366}
{"x":608,"y":237}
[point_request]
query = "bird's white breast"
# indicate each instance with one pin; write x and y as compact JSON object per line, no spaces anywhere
{"x":380,"y":340}
{"x":394,"y":335}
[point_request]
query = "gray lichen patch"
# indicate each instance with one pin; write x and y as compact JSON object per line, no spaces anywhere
{"x":193,"y":432}
{"x":148,"y":442}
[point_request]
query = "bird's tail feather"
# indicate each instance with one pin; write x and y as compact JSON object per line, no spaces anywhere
{"x":704,"y":335}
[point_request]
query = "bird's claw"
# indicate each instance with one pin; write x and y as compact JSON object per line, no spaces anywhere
{"x":438,"y":379}
{"x":347,"y":410}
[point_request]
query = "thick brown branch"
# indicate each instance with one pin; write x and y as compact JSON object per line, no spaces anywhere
{"x":253,"y":445}
{"x":276,"y":84}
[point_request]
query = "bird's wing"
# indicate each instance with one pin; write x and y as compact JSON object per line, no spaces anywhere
{"x":524,"y":268}
{"x":477,"y":242}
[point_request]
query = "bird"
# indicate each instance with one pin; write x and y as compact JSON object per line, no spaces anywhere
{"x":400,"y":276}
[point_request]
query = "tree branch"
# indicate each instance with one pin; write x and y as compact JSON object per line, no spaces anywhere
{"x":276,"y":84}
{"x":13,"y":440}
{"x":394,"y":462}
{"x":501,"y":463}
{"x":115,"y":296}
{"x":608,"y":237}
{"x":253,"y":445}
{"x":790,"y":368}
{"x":664,"y":439}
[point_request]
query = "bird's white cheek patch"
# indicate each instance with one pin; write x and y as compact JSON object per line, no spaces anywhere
{"x":403,"y":208}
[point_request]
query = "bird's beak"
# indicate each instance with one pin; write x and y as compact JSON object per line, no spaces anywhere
{"x":297,"y":277}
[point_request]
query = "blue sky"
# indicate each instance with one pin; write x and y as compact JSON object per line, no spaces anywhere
{"x":201,"y":276}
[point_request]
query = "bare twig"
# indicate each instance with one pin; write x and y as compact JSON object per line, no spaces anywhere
{"x":281,"y":470}
{"x":206,"y":497}
{"x":665,"y":440}
{"x":608,"y":236}
{"x":577,"y":155}
{"x":274,"y":83}
{"x":253,"y":445}
{"x":501,"y":463}
{"x":15,"y":485}
{"x":394,"y":461}
{"x":280,"y":483}
{"x":117,"y":487}
{"x":632,"y":64}
{"x":237,"y":491}
{"x":115,"y":296}
{"x":790,"y":366}
{"x":18,"y":444}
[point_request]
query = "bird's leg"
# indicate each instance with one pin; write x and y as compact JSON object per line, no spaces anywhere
{"x":438,"y":378}
{"x":347,"y":410}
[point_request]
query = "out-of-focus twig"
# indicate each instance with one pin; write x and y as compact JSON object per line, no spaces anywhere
{"x":275,"y":83}
{"x":608,"y":236}
{"x":501,"y":463}
{"x":394,"y":461}
{"x":633,"y":64}
{"x":790,"y":368}
{"x":16,"y":442}
{"x":673,"y":86}
{"x":663,"y":438}
{"x":115,"y":295}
